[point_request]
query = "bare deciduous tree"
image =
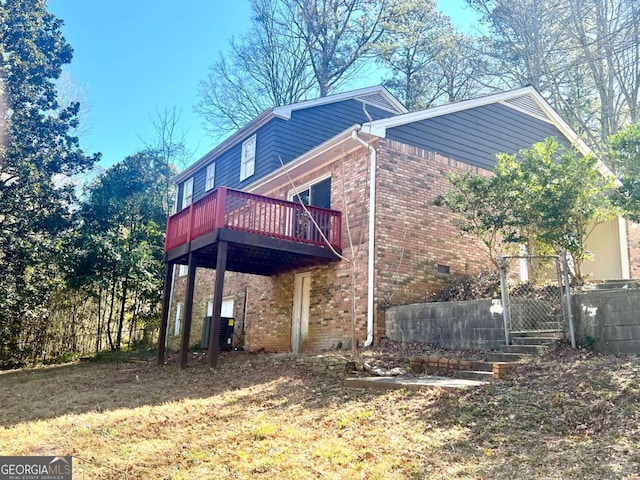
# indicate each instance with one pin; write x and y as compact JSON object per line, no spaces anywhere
{"x":429,"y":62}
{"x":294,"y":50}
{"x":266,"y":67}
{"x":337,"y":34}
{"x":582,"y":55}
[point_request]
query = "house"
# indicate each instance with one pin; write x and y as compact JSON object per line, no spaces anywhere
{"x":369,"y":172}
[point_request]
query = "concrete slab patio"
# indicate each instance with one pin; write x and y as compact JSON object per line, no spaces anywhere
{"x":412,"y":383}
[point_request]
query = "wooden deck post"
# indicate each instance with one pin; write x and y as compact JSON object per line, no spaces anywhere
{"x":214,"y":328}
{"x":188,"y":310}
{"x":166,"y":305}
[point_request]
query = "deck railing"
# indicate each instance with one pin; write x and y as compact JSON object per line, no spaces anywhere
{"x":247,"y":212}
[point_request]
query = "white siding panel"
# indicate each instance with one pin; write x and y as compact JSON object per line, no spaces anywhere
{"x":604,"y":243}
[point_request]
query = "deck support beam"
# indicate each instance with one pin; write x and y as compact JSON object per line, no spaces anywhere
{"x":166,"y":305}
{"x":188,"y":310}
{"x":214,"y":327}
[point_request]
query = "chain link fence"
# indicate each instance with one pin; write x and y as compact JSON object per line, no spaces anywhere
{"x":533,"y":294}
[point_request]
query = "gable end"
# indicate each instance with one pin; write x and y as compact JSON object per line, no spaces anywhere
{"x":378,"y":100}
{"x":528,"y":105}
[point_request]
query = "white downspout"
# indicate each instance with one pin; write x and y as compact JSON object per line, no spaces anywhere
{"x":372,"y":228}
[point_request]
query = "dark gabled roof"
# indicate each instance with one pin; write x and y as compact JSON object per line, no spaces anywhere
{"x":377,"y":96}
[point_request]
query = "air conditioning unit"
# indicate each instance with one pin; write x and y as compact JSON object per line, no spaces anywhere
{"x":225,"y":337}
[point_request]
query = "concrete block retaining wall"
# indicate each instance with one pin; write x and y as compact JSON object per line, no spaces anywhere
{"x":470,"y":325}
{"x":611,"y":318}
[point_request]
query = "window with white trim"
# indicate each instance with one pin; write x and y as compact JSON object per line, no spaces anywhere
{"x":211,"y":177}
{"x":187,"y":193}
{"x":175,"y":201}
{"x":183,"y":270}
{"x":176,"y":328}
{"x":317,"y":194}
{"x":248,"y":162}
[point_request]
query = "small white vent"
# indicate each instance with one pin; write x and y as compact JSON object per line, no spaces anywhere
{"x":529,"y":105}
{"x":378,"y":100}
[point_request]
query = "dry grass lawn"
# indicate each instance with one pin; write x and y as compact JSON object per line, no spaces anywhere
{"x":573,"y":416}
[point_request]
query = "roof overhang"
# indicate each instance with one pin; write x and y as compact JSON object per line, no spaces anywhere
{"x":544,"y":112}
{"x":316,"y":158}
{"x":389,"y":103}
{"x":252,"y":126}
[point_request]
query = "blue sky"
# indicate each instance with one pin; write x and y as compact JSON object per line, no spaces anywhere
{"x":133,"y":57}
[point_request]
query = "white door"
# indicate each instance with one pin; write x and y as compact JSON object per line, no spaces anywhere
{"x":300,"y":320}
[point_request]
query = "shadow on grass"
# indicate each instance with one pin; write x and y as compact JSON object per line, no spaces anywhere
{"x":552,"y":420}
{"x":120,"y":381}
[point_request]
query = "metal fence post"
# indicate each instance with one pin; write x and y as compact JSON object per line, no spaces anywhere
{"x":502,"y":262}
{"x":567,"y":287}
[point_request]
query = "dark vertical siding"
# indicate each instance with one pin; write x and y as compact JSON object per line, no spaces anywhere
{"x":475,"y":136}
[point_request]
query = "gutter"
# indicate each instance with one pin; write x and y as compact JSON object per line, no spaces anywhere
{"x":371,"y":256}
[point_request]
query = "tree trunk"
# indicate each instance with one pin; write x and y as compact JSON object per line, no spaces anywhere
{"x":125,"y":285}
{"x":134,"y":317}
{"x":99,"y":329}
{"x":110,"y":318}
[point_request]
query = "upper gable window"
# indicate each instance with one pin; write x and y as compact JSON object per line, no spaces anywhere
{"x":247,"y":165}
{"x":187,"y":193}
{"x":211,"y":177}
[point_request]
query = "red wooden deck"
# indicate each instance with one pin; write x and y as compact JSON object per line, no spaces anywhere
{"x":246,"y":212}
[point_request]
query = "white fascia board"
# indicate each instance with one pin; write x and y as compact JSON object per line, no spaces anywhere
{"x":283,"y":112}
{"x":568,"y":132}
{"x":380,"y":126}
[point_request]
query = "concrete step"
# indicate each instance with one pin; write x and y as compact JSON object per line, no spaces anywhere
{"x":533,"y":340}
{"x":615,"y":284}
{"x":524,"y":349}
{"x":474,"y":375}
{"x":391,"y":383}
{"x":505,"y":357}
{"x":482,"y":366}
{"x":552,"y":332}
{"x":537,"y":325}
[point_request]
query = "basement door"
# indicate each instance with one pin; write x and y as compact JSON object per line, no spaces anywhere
{"x":300,"y":320}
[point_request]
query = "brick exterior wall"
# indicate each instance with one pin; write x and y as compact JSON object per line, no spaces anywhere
{"x":270,"y":299}
{"x":413,"y":238}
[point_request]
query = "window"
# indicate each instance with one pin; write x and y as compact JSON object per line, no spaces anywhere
{"x":318,"y":194}
{"x":175,"y":201}
{"x":176,"y":328}
{"x":248,"y":161}
{"x":183,"y":270}
{"x":443,"y":269}
{"x":226,"y":309}
{"x":187,"y":193}
{"x":211,"y":177}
